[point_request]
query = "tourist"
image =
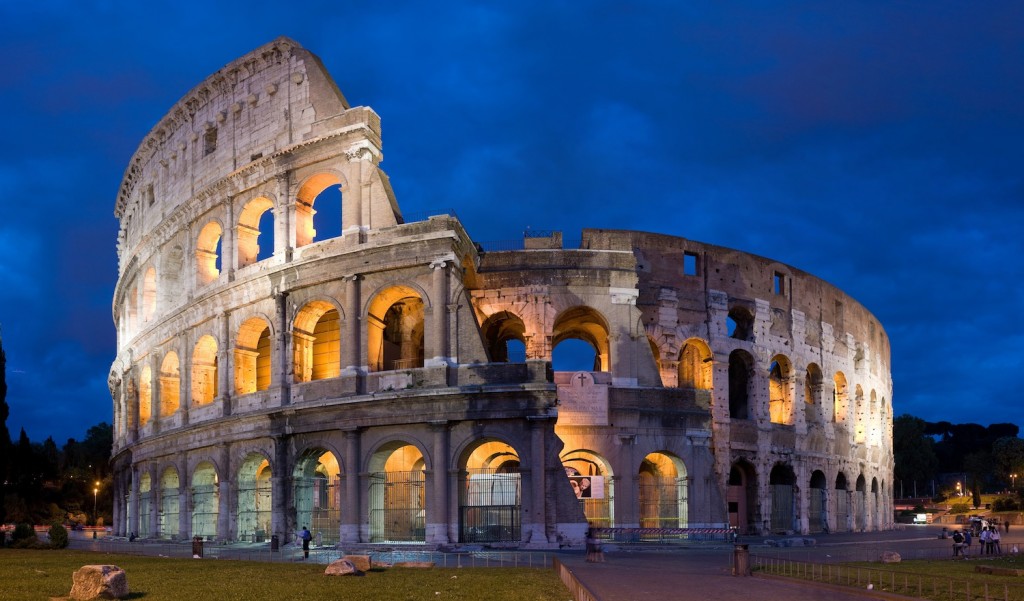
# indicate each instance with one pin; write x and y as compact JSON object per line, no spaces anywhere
{"x":595,"y":554}
{"x":985,"y":541}
{"x":958,"y":543}
{"x":306,"y":537}
{"x":993,"y":539}
{"x":967,"y":542}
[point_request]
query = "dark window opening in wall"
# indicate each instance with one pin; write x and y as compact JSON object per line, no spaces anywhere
{"x":739,"y":324}
{"x":150,"y":197}
{"x":689,"y":263}
{"x":779,"y":284}
{"x":210,"y":141}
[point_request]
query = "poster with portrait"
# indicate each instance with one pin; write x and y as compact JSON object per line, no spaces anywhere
{"x":587,"y":487}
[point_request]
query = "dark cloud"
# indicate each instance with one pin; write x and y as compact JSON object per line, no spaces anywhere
{"x":874,"y":145}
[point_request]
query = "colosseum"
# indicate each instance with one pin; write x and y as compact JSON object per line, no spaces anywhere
{"x":388,"y":379}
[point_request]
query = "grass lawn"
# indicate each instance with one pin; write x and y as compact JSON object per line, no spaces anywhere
{"x":44,"y":574}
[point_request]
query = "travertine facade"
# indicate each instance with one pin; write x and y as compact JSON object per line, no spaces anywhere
{"x":394,"y":382}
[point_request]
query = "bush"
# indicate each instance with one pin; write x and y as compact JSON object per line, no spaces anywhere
{"x":1005,"y":504}
{"x":24,"y":537}
{"x":960,"y":508}
{"x":58,"y":536}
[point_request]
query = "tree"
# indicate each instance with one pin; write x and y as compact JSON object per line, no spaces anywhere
{"x":1008,"y":453}
{"x":5,"y":435}
{"x":915,"y":452}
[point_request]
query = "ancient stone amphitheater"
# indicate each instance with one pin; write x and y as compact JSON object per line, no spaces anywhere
{"x":384,"y":379}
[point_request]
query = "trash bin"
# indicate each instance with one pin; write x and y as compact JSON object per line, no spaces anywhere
{"x":275,"y":543}
{"x":741,"y":561}
{"x":197,"y":546}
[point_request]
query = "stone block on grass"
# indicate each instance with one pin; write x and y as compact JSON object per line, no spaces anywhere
{"x":99,"y":582}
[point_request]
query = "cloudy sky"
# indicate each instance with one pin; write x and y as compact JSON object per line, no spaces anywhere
{"x":877,"y":145}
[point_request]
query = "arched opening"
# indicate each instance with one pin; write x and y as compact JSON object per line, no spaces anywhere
{"x":170,"y":502}
{"x":490,"y":494}
{"x":812,"y":394}
{"x":149,"y":294}
{"x":860,"y":501}
{"x":500,"y":331}
{"x":875,"y":505}
{"x":317,"y":342}
{"x":255,"y":222}
{"x":590,"y":476}
{"x":840,"y":398}
{"x":696,"y":365}
{"x":253,"y":356}
{"x":397,"y":494}
{"x":395,"y":330}
{"x":842,"y":504}
{"x":586,"y":325}
{"x":656,"y":353}
{"x":739,"y":324}
{"x":817,"y":516}
{"x":781,"y":481}
{"x":318,"y":189}
{"x":740,"y":366}
{"x":170,"y":385}
{"x":145,"y":504}
{"x":204,"y":371}
{"x":780,"y":400}
{"x":205,"y":500}
{"x":317,"y":481}
{"x":327,"y":217}
{"x":145,"y":395}
{"x":860,"y":419}
{"x":742,"y":497}
{"x":254,"y":499}
{"x":663,"y":492}
{"x":208,"y":253}
{"x":171,"y":285}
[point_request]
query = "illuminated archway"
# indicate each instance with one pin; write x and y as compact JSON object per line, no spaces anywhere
{"x":251,"y":227}
{"x":208,"y":253}
{"x":591,"y":478}
{"x":663,"y":492}
{"x":205,"y":500}
{"x":254,"y":498}
{"x":317,"y":480}
{"x":780,"y":399}
{"x":585,"y":324}
{"x":170,"y":503}
{"x":145,"y":504}
{"x":840,"y":397}
{"x":204,"y":371}
{"x":317,"y":342}
{"x":170,"y":385}
{"x":397,"y":494}
{"x":145,"y":395}
{"x":395,"y":330}
{"x":500,"y":331}
{"x":812,"y":394}
{"x":253,"y":356}
{"x":490,"y":494}
{"x":695,"y":365}
{"x":309,"y":194}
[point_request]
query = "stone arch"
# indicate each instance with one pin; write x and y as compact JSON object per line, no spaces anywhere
{"x":780,"y":395}
{"x":170,"y":503}
{"x":696,"y":365}
{"x":317,"y":496}
{"x":860,"y":504}
{"x":782,"y":484}
{"x":309,"y":190}
{"x":586,"y":324}
{"x":145,"y":395}
{"x":255,"y":498}
{"x":841,"y":398}
{"x":316,"y":338}
{"x":594,"y":485}
{"x":742,"y":497}
{"x":490,"y":493}
{"x":817,"y":514}
{"x":397,"y":496}
{"x":812,"y":394}
{"x":170,"y":384}
{"x":253,"y":356}
{"x":205,"y":499}
{"x":663,"y":491}
{"x":741,"y":367}
{"x":500,"y":330}
{"x":395,"y":329}
{"x":739,"y":323}
{"x":209,"y":253}
{"x":842,"y":504}
{"x":204,"y":371}
{"x":249,"y":232}
{"x":145,"y":504}
{"x":149,"y":294}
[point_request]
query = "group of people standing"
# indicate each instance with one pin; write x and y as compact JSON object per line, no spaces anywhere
{"x":988,"y":538}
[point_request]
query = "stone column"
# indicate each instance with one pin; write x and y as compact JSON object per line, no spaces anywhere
{"x":224,"y":489}
{"x":279,"y":519}
{"x":155,"y":501}
{"x":184,"y":498}
{"x":351,"y":356}
{"x":437,"y":352}
{"x":351,"y":512}
{"x":154,"y":392}
{"x":229,"y":241}
{"x":627,"y":514}
{"x":282,"y":376}
{"x":224,"y":364}
{"x":438,"y":512}
{"x":184,"y":378}
{"x":133,"y":502}
{"x":539,"y":521}
{"x":284,"y":232}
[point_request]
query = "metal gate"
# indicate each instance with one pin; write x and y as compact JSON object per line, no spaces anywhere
{"x":205,"y":507}
{"x":318,"y":505}
{"x":169,"y":505}
{"x":397,"y":509}
{"x":145,"y":510}
{"x":816,"y":513}
{"x":490,"y":507}
{"x":254,"y":511}
{"x":842,"y":510}
{"x":662,"y":502}
{"x":782,"y":507}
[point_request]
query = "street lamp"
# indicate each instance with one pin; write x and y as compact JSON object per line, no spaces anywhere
{"x":95,"y":491}
{"x":1013,"y":477}
{"x":958,"y":491}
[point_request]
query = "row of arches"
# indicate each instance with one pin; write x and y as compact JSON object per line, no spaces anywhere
{"x":829,"y":506}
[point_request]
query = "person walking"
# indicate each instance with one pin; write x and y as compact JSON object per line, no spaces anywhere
{"x":967,"y":542}
{"x":306,"y":537}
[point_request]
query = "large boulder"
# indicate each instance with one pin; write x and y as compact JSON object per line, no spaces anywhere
{"x":361,"y":562}
{"x":99,"y":582}
{"x":891,"y":557}
{"x":342,"y":567}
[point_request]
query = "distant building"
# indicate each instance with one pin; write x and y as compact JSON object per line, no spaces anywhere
{"x":394,"y":383}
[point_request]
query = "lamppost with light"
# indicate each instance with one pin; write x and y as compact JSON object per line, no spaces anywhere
{"x":1013,"y":477}
{"x":95,"y":491}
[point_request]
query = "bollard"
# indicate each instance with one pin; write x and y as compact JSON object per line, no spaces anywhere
{"x":197,"y":546}
{"x":741,"y":561}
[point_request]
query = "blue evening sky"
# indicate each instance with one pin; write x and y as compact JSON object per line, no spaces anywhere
{"x":877,"y":145}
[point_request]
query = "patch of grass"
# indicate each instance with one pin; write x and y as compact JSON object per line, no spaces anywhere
{"x":28,"y":574}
